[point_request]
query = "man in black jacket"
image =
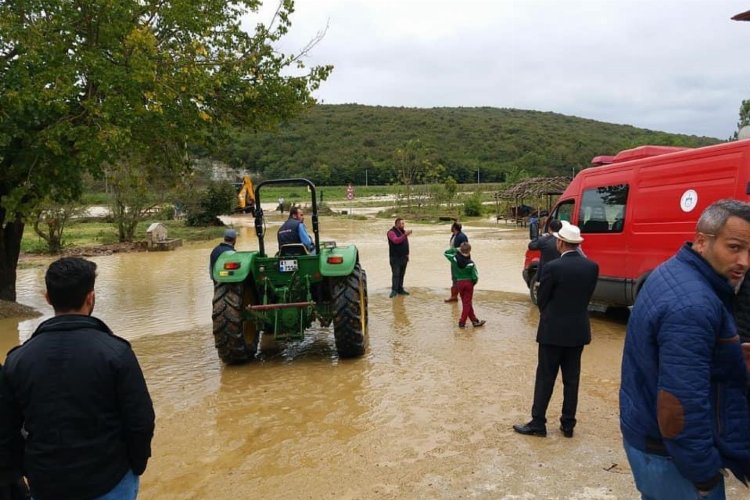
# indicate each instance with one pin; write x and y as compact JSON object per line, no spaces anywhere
{"x":78,"y":392}
{"x":457,"y":237}
{"x":230,"y":239}
{"x":12,"y":485}
{"x":565,"y":290}
{"x":398,"y":254}
{"x":547,"y":246}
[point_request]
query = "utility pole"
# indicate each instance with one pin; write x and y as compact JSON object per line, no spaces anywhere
{"x":365,"y":177}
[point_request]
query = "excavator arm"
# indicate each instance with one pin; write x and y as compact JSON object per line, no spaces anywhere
{"x":246,"y":196}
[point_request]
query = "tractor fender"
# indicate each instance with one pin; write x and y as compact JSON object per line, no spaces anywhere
{"x":233,"y":267}
{"x":338,"y":261}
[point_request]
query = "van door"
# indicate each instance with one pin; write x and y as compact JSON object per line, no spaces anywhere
{"x":601,"y":218}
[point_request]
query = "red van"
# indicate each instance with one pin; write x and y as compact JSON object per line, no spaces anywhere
{"x":636,"y":210}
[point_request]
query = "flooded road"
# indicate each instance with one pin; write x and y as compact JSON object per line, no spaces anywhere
{"x":427,"y":413}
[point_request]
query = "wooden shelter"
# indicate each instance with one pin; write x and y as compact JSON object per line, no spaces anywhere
{"x":540,"y":191}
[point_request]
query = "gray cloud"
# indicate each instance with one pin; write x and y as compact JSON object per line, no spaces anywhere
{"x":671,"y":65}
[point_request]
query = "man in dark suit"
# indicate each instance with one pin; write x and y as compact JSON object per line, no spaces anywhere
{"x":565,"y":289}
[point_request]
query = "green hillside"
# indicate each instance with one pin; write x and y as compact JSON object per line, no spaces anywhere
{"x":337,"y":144}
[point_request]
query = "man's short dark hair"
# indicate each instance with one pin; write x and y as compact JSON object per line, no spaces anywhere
{"x":715,"y":216}
{"x":395,"y":223}
{"x":68,"y":281}
{"x":293,"y":211}
{"x":456,"y":227}
{"x":555,"y":225}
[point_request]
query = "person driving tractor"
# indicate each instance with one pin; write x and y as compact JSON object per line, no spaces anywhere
{"x":294,"y":231}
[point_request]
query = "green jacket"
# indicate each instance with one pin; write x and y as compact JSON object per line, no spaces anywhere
{"x":462,"y":268}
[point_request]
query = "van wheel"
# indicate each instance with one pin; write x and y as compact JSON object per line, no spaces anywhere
{"x":533,"y":288}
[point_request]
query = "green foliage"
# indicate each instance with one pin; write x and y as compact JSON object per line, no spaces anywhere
{"x":473,"y":205}
{"x":94,"y":198}
{"x":50,"y":219}
{"x":516,"y":174}
{"x":137,"y":188}
{"x":744,"y":117}
{"x":355,"y":142}
{"x":412,"y":165}
{"x":166,"y":212}
{"x":217,"y":199}
{"x":84,"y":84}
{"x":450,"y":188}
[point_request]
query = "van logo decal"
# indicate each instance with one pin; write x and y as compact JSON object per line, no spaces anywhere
{"x":689,"y":200}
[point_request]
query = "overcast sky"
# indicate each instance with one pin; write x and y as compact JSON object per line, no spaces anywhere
{"x":679,"y":66}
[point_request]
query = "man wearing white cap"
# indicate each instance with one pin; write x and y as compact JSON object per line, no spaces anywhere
{"x":230,"y":238}
{"x":565,"y":289}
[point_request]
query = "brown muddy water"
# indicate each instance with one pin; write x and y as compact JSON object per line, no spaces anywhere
{"x":427,"y":413}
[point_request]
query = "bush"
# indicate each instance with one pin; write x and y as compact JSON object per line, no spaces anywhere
{"x":218,"y":199}
{"x":167,"y":212}
{"x":473,"y":206}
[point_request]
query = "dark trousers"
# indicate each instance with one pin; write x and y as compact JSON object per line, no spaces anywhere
{"x":551,"y":359}
{"x":398,"y":269}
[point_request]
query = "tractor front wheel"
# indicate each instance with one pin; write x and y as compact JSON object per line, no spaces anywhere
{"x":350,"y":314}
{"x":236,"y":340}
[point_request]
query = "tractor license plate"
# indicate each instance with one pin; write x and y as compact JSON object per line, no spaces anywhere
{"x":287,"y":265}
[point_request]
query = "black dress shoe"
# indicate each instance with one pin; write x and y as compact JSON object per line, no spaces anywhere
{"x":566,"y":431}
{"x":530,"y":430}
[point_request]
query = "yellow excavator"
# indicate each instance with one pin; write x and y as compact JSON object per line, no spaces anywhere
{"x":246,"y":197}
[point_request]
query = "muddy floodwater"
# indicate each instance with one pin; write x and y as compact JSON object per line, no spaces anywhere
{"x":426,"y":413}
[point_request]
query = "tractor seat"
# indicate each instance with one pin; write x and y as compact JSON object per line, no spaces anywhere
{"x":292,"y":249}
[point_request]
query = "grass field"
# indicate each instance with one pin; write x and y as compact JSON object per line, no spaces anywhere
{"x":99,"y":232}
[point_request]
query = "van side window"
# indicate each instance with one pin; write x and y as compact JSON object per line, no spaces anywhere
{"x":603,"y":209}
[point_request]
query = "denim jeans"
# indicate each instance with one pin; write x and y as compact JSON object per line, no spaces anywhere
{"x":126,"y":489}
{"x":657,"y":478}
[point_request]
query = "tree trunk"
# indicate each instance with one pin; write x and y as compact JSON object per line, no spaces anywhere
{"x":11,"y":233}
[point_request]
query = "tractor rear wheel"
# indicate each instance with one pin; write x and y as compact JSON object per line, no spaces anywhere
{"x":236,"y":340}
{"x":350,"y":314}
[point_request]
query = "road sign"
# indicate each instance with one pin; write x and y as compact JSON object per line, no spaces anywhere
{"x":349,"y":192}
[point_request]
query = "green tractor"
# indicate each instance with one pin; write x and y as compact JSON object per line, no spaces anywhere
{"x":281,"y":295}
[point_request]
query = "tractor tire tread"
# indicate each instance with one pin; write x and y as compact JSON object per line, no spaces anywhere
{"x":229,"y":338}
{"x":350,"y":336}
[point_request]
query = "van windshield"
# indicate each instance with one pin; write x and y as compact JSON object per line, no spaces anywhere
{"x":563,"y":211}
